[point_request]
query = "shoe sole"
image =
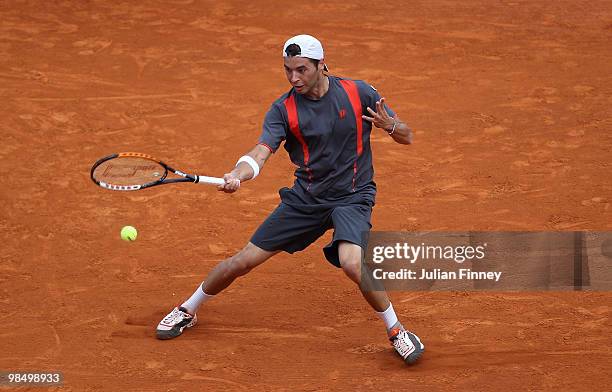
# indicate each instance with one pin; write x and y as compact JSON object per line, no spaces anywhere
{"x":418,"y":351}
{"x":174,"y":332}
{"x":414,"y":357}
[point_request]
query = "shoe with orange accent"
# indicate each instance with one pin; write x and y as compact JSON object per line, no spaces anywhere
{"x":407,"y":345}
{"x":175,"y":322}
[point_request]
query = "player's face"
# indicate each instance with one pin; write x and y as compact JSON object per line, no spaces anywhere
{"x":301,"y":73}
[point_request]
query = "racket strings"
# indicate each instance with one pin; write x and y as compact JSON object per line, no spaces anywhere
{"x":129,"y":171}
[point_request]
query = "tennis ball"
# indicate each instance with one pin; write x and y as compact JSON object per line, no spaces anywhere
{"x":129,"y":233}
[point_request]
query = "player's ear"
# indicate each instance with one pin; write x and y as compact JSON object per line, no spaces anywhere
{"x":321,"y":65}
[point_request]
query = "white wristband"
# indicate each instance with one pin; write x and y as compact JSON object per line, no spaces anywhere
{"x":251,"y":162}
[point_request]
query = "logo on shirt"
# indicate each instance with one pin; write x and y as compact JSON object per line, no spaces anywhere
{"x":342,"y":113}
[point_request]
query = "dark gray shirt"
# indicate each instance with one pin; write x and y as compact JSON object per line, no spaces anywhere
{"x":333,"y":156}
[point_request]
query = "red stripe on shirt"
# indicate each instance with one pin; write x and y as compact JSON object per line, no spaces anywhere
{"x":353,"y":94}
{"x":268,"y":147}
{"x":294,"y":126}
{"x":351,"y":89}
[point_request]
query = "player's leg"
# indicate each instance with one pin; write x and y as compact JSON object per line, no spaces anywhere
{"x":407,"y":344}
{"x":350,"y":256}
{"x":238,"y":265}
{"x":221,"y":276}
{"x":346,"y":251}
{"x":286,"y":229}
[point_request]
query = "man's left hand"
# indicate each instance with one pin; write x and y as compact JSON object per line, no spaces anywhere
{"x":380,"y":118}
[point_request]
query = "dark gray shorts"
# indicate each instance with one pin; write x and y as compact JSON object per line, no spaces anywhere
{"x":292,"y":229}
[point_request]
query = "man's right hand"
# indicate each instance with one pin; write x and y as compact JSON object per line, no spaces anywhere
{"x":232,"y":183}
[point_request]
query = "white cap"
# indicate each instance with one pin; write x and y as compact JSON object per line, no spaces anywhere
{"x":310,"y":47}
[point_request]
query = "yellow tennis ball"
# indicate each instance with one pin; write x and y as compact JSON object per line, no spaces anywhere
{"x":129,"y":233}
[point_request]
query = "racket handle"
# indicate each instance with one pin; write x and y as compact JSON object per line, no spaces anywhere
{"x":210,"y":180}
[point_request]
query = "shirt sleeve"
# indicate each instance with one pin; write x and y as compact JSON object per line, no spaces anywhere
{"x":369,"y":97}
{"x":274,"y":129}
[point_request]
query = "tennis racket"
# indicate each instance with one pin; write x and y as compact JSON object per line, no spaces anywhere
{"x":131,"y":171}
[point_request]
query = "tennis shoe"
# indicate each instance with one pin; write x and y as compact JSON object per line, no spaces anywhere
{"x":407,"y":345}
{"x":175,"y":322}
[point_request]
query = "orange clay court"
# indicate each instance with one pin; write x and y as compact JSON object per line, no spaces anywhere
{"x":510,"y":105}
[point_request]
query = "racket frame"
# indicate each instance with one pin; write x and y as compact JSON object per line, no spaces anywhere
{"x":162,"y":180}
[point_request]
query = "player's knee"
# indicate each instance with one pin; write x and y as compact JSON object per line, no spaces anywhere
{"x":352,"y":268}
{"x":238,"y":265}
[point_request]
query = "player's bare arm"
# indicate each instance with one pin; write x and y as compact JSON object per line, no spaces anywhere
{"x":398,"y":130}
{"x":243,"y":170}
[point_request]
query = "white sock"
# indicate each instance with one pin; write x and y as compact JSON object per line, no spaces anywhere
{"x":196,"y":299}
{"x":388,"y":316}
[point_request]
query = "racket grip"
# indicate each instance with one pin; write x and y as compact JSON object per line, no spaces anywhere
{"x":210,"y":180}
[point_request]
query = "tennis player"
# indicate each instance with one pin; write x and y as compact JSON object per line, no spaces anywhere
{"x":325,"y":122}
